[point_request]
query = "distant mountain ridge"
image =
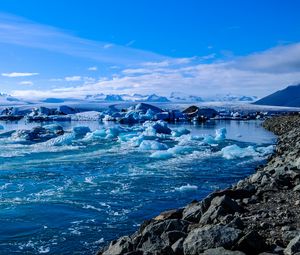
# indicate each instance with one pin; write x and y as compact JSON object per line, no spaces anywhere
{"x":176,"y":97}
{"x":290,"y":97}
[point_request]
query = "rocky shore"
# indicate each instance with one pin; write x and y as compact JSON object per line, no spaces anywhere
{"x":258,"y":215}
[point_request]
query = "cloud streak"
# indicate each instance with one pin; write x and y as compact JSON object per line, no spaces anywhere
{"x":22,"y":32}
{"x":16,"y":74}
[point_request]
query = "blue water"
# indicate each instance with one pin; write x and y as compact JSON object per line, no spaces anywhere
{"x":75,"y":197}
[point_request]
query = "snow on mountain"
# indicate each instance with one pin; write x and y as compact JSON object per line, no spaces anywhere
{"x":231,"y":98}
{"x":156,"y":98}
{"x":126,"y":97}
{"x":182,"y":97}
{"x":7,"y":100}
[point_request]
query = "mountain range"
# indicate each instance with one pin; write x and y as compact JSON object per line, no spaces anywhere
{"x":290,"y":97}
{"x":176,"y":97}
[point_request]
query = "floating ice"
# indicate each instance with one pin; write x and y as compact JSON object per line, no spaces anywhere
{"x":152,"y":145}
{"x":65,"y":139}
{"x":160,"y":127}
{"x":208,"y":139}
{"x":43,"y":250}
{"x":112,"y":132}
{"x":161,"y":155}
{"x":234,"y":151}
{"x":81,"y":130}
{"x":95,"y":135}
{"x":1,"y":127}
{"x":266,"y":150}
{"x":86,"y":116}
{"x":187,"y":187}
{"x":179,"y":149}
{"x":179,"y":132}
{"x":220,"y":134}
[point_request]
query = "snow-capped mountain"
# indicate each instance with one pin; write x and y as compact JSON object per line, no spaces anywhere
{"x":231,"y":98}
{"x":8,"y":100}
{"x":126,"y":97}
{"x":156,"y":98}
{"x":182,"y":97}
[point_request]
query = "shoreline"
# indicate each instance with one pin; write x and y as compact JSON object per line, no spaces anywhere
{"x":258,"y":214}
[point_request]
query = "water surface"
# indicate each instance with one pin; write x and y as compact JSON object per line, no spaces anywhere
{"x":74,"y":197}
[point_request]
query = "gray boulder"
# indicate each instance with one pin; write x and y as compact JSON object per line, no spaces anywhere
{"x":221,"y":251}
{"x":293,"y":246}
{"x":201,"y":239}
{"x":121,"y":246}
{"x":220,"y":206}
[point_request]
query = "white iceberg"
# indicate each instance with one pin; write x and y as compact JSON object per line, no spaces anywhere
{"x":152,"y":145}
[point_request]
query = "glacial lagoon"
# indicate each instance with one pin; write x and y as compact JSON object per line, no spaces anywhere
{"x":75,"y":193}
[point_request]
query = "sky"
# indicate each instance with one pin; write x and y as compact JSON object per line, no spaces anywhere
{"x":61,"y":48}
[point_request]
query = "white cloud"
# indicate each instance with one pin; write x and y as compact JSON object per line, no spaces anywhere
{"x":16,"y":74}
{"x":257,"y":74}
{"x":108,"y":45}
{"x":26,"y":83}
{"x":93,"y":68}
{"x":73,"y":78}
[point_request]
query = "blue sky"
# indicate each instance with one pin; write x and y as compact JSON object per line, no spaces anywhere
{"x":65,"y":49}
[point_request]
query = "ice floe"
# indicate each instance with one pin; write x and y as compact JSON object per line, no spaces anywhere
{"x":235,"y":151}
{"x":152,"y":145}
{"x":187,"y":187}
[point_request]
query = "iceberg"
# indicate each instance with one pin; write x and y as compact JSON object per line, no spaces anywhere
{"x":65,"y":139}
{"x":81,"y":131}
{"x":187,"y":187}
{"x":112,"y":132}
{"x":266,"y":150}
{"x":87,"y":116}
{"x":38,"y":134}
{"x":220,"y":134}
{"x":234,"y":151}
{"x":152,"y":145}
{"x":161,"y":155}
{"x":95,"y":135}
{"x":208,"y":139}
{"x":1,"y":127}
{"x":160,"y":127}
{"x":179,"y":132}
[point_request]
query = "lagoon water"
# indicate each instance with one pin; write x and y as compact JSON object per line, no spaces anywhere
{"x":77,"y":194}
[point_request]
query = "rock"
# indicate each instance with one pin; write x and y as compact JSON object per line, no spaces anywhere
{"x":221,"y":251}
{"x":220,"y":206}
{"x":172,"y":236}
{"x":293,"y":246}
{"x":171,"y":214}
{"x":191,"y":111}
{"x":236,"y":223}
{"x":177,"y":247}
{"x":158,"y":227}
{"x":121,"y":246}
{"x":251,"y":243}
{"x":288,"y":235}
{"x":201,"y":239}
{"x":193,"y":212}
